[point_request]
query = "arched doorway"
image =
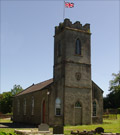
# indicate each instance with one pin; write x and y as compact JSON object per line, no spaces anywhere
{"x":43,"y":111}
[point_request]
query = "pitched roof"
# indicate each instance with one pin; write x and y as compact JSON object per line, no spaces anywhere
{"x":93,"y":83}
{"x":36,"y":87}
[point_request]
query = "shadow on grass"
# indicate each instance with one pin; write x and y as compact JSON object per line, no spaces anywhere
{"x":16,"y":125}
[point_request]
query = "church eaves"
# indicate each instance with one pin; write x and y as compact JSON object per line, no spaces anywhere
{"x":36,"y":87}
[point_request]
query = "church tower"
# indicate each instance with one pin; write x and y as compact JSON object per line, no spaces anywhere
{"x":72,"y":71}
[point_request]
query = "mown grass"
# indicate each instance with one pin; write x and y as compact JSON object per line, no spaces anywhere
{"x":109,"y":125}
{"x":5,"y":120}
{"x":7,"y":130}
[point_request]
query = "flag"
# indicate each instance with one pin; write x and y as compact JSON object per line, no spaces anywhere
{"x":69,"y":5}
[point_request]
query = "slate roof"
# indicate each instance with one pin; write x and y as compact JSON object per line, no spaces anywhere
{"x":93,"y":83}
{"x":36,"y":87}
{"x":42,"y":85}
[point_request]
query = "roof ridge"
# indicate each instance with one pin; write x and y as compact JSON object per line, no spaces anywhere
{"x":43,"y":81}
{"x":24,"y":90}
{"x":36,"y":87}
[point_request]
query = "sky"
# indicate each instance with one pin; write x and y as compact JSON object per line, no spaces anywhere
{"x":27,"y":42}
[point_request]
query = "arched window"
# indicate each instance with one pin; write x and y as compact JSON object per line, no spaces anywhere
{"x":18,"y":106}
{"x":78,"y":47}
{"x":57,"y":107}
{"x":59,"y":50}
{"x":94,"y":108}
{"x":77,"y":104}
{"x":32,"y":105}
{"x":24,"y":106}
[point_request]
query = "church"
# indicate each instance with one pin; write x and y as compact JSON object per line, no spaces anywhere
{"x":70,"y":97}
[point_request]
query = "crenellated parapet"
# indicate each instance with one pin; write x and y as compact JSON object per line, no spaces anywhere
{"x":73,"y":26}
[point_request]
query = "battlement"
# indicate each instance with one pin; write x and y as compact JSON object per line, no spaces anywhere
{"x":75,"y":26}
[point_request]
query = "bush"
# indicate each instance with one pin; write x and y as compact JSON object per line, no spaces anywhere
{"x":3,"y":133}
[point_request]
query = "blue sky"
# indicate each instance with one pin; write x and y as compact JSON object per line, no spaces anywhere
{"x":27,"y":30}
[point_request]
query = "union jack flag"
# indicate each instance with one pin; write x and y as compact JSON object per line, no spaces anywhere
{"x":69,"y":5}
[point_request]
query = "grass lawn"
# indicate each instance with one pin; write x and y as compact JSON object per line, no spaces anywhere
{"x":109,"y":125}
{"x":5,"y":120}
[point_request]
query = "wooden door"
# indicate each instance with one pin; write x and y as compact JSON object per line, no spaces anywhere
{"x":78,"y":116}
{"x":43,"y":112}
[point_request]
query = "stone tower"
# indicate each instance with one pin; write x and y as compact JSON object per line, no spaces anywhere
{"x":72,"y":72}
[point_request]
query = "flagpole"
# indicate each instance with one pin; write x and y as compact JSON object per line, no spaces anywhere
{"x":63,"y":10}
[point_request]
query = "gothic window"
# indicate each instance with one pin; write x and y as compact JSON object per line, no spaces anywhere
{"x":94,"y":108}
{"x":78,"y":47}
{"x":18,"y":106}
{"x":32,"y":106}
{"x":24,"y":106}
{"x":77,"y":104}
{"x":59,"y":50}
{"x":57,"y":107}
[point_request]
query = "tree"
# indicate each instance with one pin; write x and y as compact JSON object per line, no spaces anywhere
{"x":6,"y":99}
{"x":16,"y":89}
{"x":113,"y":98}
{"x":6,"y":102}
{"x":115,"y":83}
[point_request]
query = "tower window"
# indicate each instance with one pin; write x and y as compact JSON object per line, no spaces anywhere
{"x":78,"y":47}
{"x":59,"y":50}
{"x":77,"y":104}
{"x":57,"y":107}
{"x":94,"y":108}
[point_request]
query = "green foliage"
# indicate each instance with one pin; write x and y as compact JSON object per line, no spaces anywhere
{"x":4,"y":133}
{"x":16,"y":89}
{"x":112,"y":99}
{"x":115,"y":83}
{"x":6,"y":102}
{"x":6,"y":99}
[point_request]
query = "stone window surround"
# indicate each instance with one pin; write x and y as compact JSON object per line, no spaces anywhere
{"x":78,"y":46}
{"x":57,"y":106}
{"x":76,"y":104}
{"x":81,"y":41}
{"x":24,"y":106}
{"x":94,"y":101}
{"x":32,"y":105}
